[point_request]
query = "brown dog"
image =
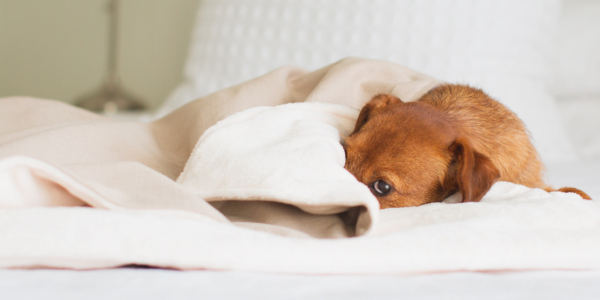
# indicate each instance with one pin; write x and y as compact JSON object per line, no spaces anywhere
{"x":453,"y":139}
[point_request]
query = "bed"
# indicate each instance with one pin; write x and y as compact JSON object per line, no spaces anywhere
{"x":556,"y":93}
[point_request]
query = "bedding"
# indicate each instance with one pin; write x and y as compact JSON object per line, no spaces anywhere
{"x":120,"y":201}
{"x":152,"y":284}
{"x":133,"y":283}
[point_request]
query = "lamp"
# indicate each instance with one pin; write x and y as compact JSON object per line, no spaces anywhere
{"x":111,"y":97}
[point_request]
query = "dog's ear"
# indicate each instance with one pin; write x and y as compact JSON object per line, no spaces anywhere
{"x":379,"y":101}
{"x":475,"y":172}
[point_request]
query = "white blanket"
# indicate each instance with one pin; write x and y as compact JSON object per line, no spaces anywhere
{"x":261,"y":190}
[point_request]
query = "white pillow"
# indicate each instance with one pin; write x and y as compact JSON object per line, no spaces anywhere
{"x":582,"y":116}
{"x":502,"y":46}
{"x":577,"y":68}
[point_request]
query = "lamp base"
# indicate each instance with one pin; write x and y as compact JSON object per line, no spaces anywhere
{"x":110,"y":101}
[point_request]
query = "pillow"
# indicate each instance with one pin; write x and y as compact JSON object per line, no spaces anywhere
{"x":583,"y":125}
{"x":577,"y":68}
{"x":502,"y":46}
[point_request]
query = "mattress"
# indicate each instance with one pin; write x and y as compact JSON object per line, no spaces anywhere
{"x":135,"y":282}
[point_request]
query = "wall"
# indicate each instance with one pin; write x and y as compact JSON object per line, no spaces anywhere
{"x":57,"y":48}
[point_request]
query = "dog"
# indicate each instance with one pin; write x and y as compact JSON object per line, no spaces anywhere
{"x":455,"y":138}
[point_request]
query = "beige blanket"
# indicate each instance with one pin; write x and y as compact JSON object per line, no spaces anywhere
{"x":152,"y":183}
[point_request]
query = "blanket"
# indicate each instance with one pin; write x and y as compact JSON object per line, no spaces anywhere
{"x":252,"y":178}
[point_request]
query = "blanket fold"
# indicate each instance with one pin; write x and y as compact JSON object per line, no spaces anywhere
{"x":290,"y":154}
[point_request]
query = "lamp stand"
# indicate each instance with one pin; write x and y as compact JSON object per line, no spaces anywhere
{"x":111,"y":97}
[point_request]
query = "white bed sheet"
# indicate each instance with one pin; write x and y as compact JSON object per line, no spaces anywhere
{"x":137,"y":283}
{"x":166,"y":284}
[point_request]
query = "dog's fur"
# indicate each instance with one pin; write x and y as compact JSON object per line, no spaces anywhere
{"x":453,"y":139}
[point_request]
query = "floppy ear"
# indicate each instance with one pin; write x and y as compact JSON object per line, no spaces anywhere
{"x":475,"y":174}
{"x":379,"y":101}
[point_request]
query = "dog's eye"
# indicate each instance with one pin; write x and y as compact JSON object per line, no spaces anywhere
{"x":380,"y":188}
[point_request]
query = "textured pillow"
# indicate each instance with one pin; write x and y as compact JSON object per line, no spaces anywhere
{"x":577,"y":74}
{"x":577,"y":68}
{"x":502,"y":46}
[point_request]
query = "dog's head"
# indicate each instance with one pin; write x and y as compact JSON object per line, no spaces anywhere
{"x":410,"y":154}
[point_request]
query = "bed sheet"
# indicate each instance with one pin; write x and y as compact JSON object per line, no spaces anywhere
{"x":126,"y":283}
{"x":141,"y":283}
